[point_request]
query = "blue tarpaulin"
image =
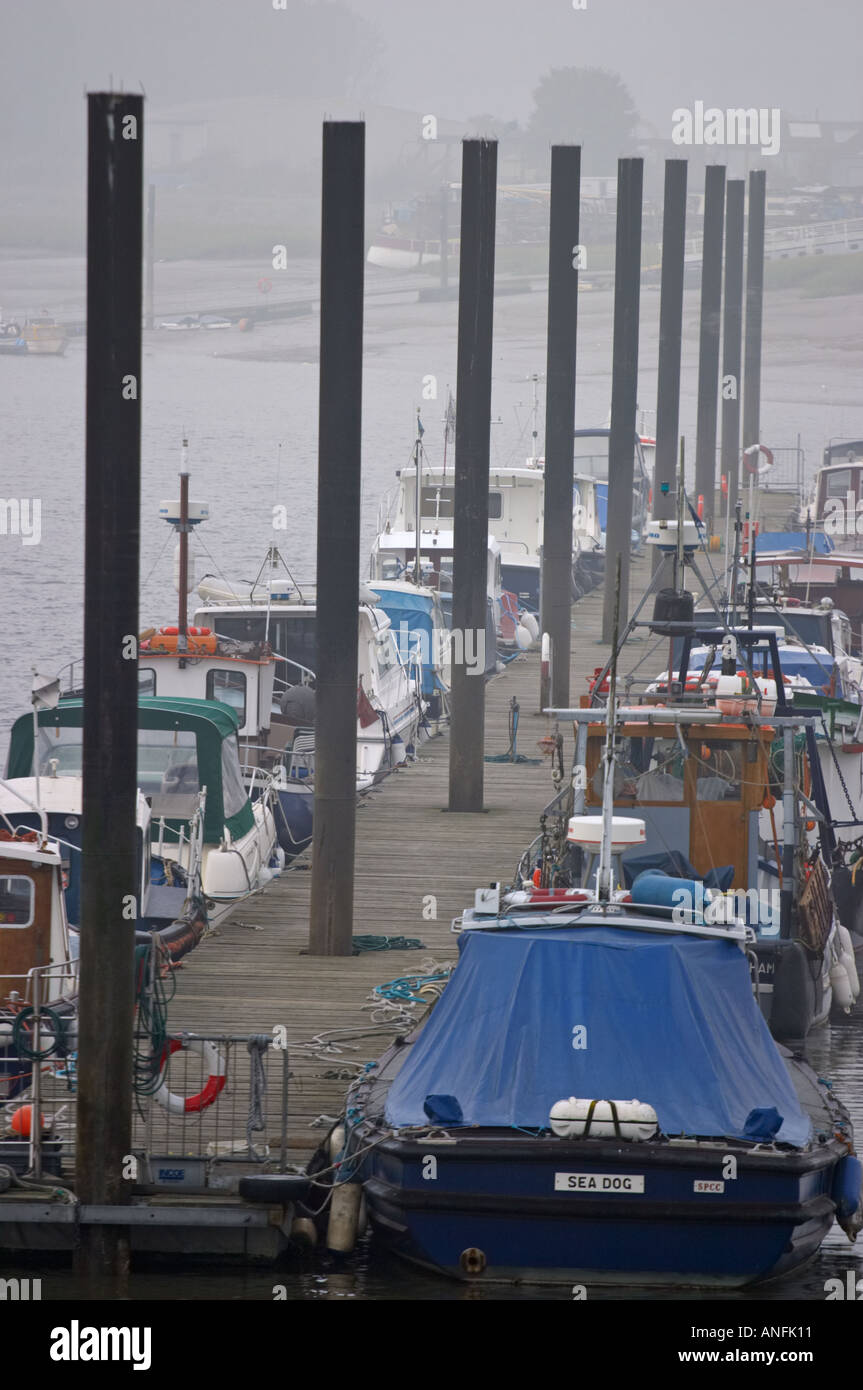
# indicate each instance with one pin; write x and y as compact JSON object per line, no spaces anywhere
{"x":531,"y":1017}
{"x":412,"y":619}
{"x":816,"y":544}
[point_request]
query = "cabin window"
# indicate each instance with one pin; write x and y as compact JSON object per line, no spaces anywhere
{"x":719,"y":770}
{"x":435,"y":503}
{"x":229,"y":688}
{"x":387,"y":655}
{"x":648,"y":770}
{"x":146,"y":681}
{"x":233,"y":791}
{"x":167,"y":762}
{"x":839,"y":483}
{"x":495,"y":506}
{"x":17,"y":900}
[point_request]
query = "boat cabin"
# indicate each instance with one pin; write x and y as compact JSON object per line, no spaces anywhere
{"x":700,"y":790}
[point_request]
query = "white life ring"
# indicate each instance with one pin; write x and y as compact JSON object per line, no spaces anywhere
{"x":214,"y":1085}
{"x":757,"y":466}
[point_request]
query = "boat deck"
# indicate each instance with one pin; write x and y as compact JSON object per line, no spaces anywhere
{"x":254,"y":975}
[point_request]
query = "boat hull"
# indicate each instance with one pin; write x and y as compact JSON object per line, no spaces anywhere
{"x":492,"y":1212}
{"x":523,"y":581}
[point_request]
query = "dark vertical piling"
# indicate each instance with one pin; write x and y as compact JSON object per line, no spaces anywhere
{"x":624,"y":389}
{"x":110,"y":733}
{"x":708,"y":345}
{"x":670,"y":339}
{"x":754,"y":308}
{"x":472,"y":430}
{"x":338,"y":564}
{"x":150,"y":255}
{"x":732,"y":324}
{"x":556,"y":582}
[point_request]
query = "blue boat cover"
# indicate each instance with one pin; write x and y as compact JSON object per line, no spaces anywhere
{"x":768,"y":541}
{"x":534,"y":1016}
{"x":412,"y":619}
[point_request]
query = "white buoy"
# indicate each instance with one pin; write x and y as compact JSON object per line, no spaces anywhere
{"x":528,"y":620}
{"x":841,"y":986}
{"x":344,"y":1217}
{"x":846,"y":956}
{"x":523,"y":637}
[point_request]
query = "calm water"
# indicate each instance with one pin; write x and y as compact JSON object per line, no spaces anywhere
{"x":248,"y":404}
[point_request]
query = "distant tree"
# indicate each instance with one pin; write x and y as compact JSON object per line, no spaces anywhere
{"x":584,"y":106}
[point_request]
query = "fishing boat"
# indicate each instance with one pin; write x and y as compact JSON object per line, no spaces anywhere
{"x":591,"y":461}
{"x":45,"y":337}
{"x":728,"y":782}
{"x":596,"y":1098}
{"x":203,"y":843}
{"x":515,"y":503}
{"x":38,"y":957}
{"x":418,"y":624}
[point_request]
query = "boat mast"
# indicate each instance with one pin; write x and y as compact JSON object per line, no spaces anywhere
{"x":604,"y":883}
{"x":417,"y":448}
{"x":183,"y":585}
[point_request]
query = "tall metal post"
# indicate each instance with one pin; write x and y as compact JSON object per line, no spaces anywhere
{"x":670,"y":338}
{"x":754,"y":308}
{"x":624,"y":390}
{"x":556,"y":579}
{"x":732,"y":324}
{"x":338,"y":566}
{"x":110,"y":732}
{"x":708,"y":346}
{"x":472,"y":430}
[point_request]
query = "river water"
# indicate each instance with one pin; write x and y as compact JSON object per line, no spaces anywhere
{"x":248,"y":405}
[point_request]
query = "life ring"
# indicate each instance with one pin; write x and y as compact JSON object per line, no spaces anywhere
{"x":754,"y":466}
{"x":264,"y":285}
{"x":215,"y":1083}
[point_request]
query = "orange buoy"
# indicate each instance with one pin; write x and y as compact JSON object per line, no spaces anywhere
{"x":21,"y":1121}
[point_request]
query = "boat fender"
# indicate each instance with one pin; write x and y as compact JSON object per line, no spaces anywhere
{"x":792,"y":1002}
{"x":216,"y":1064}
{"x":336,"y":1143}
{"x":841,"y":986}
{"x":304,"y":1233}
{"x":528,"y":620}
{"x":846,"y":956}
{"x":343,"y":1224}
{"x":845,"y":1189}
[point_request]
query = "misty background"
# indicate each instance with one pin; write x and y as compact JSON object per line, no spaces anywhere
{"x":236,"y":92}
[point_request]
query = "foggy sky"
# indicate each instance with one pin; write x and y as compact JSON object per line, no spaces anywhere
{"x":454,"y":58}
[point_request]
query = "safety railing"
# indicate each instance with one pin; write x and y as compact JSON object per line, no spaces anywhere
{"x":38,"y":1038}
{"x":184,"y":844}
{"x":207,"y":1107}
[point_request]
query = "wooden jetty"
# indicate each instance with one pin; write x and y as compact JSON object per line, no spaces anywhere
{"x":254,"y":975}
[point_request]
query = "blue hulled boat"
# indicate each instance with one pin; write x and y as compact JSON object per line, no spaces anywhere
{"x":506,"y":1143}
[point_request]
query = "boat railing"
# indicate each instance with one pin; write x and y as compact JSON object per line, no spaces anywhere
{"x":306,"y":674}
{"x":184,"y":843}
{"x":237,"y":1122}
{"x":39,"y":1031}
